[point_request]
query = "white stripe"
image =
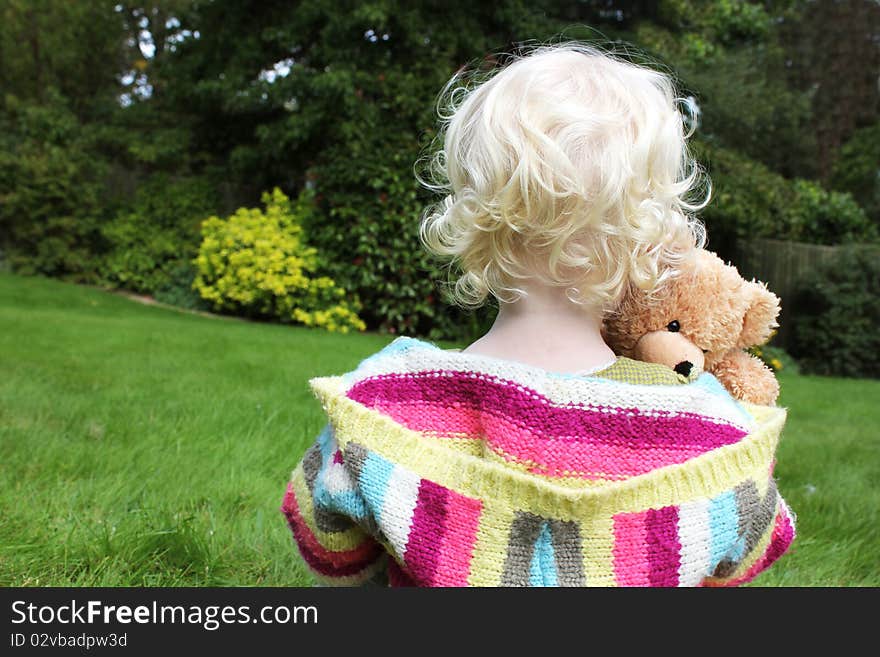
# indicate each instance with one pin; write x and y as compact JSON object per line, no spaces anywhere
{"x":337,"y":479}
{"x":605,"y":393}
{"x":695,"y":536}
{"x":401,"y":497}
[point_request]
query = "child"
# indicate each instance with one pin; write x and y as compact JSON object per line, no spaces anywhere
{"x":535,"y":456}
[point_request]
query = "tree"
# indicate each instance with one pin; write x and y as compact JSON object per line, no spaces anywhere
{"x":76,"y":48}
{"x":338,"y":98}
{"x":834,"y":55}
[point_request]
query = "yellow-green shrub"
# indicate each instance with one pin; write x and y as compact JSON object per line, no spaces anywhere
{"x":255,"y":263}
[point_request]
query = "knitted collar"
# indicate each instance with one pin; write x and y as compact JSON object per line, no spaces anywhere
{"x":468,"y":470}
{"x":559,"y":444}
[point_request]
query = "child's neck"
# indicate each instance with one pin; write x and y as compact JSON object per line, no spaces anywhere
{"x":546,"y":330}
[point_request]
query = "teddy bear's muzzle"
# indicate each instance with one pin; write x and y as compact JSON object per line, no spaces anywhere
{"x":672,"y":349}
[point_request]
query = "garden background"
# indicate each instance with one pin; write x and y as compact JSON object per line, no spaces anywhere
{"x":256,"y":160}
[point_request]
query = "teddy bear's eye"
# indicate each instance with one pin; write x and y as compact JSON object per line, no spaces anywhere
{"x":673,"y":326}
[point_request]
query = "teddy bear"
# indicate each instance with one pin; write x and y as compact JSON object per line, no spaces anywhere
{"x":703,"y":320}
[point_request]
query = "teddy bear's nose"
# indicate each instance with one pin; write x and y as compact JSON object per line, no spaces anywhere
{"x":684,"y":367}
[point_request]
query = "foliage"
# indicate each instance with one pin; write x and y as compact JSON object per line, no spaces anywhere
{"x":857,"y":170}
{"x":255,"y":263}
{"x":749,"y":200}
{"x":726,"y":56}
{"x":372,"y":244}
{"x":706,"y":28}
{"x":833,"y":55}
{"x":108,"y":96}
{"x":51,"y":202}
{"x":776,"y":358}
{"x":350,"y":119}
{"x":139,"y":255}
{"x":69,"y":50}
{"x":835,"y":315}
{"x":151,"y":240}
{"x":178,"y":290}
{"x":826,"y":217}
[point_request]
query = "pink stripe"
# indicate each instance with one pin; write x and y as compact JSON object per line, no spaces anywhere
{"x":507,"y":399}
{"x":631,"y":567}
{"x":552,"y":456}
{"x":564,"y":456}
{"x":431,"y":416}
{"x":463,"y":518}
{"x":664,"y":548}
{"x":428,"y":526}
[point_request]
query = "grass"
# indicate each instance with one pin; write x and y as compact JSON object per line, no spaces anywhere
{"x":142,"y":446}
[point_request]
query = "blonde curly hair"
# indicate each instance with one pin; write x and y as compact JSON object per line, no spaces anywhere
{"x":569,"y":165}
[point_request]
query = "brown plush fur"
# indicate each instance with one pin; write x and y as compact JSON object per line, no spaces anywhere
{"x":718,"y":313}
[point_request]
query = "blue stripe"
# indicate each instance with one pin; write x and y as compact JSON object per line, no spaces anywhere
{"x":542,"y":571}
{"x":738,"y":550}
{"x":710,"y":384}
{"x":349,"y":502}
{"x":328,"y":445}
{"x":724,"y":522}
{"x":373,"y":481}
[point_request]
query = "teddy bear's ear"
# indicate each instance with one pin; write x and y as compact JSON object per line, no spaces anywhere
{"x":760,"y":317}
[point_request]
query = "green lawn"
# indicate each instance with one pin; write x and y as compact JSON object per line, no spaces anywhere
{"x":143,"y":446}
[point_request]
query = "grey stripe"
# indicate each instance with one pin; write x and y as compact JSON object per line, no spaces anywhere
{"x":755,"y":516}
{"x":331,"y":522}
{"x":326,"y":521}
{"x":724,"y":568}
{"x":747,"y":502}
{"x":312,"y":465}
{"x":524,"y":533}
{"x":566,"y":538}
{"x":354,"y":458}
{"x":763,"y":517}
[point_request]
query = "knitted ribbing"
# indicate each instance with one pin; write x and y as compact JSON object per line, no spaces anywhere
{"x":470,"y":470}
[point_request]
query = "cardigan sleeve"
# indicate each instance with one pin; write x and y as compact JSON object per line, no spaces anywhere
{"x":328,"y":518}
{"x":769,"y":530}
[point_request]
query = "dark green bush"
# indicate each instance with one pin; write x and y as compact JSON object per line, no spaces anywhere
{"x":367,"y":235}
{"x":141,"y":256}
{"x":776,"y":358}
{"x":857,"y":170}
{"x":177,"y":290}
{"x":820,"y":216}
{"x":836,"y":317}
{"x":51,"y":195}
{"x":149,"y":242}
{"x":749,"y":200}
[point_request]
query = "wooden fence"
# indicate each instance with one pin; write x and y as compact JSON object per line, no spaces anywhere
{"x":782,"y":265}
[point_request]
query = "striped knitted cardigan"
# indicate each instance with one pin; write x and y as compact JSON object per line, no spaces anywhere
{"x":443,"y":468}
